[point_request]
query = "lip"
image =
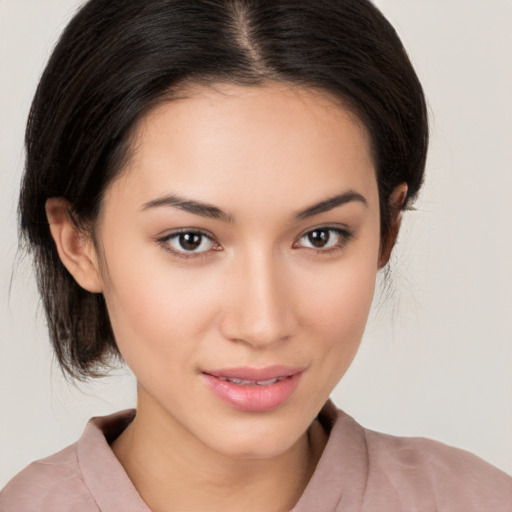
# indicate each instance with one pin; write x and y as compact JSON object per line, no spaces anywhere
{"x":254,"y":397}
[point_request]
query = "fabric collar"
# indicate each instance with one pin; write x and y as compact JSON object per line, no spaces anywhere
{"x":344,"y":461}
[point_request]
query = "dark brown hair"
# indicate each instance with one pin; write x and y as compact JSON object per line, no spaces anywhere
{"x":118,"y":58}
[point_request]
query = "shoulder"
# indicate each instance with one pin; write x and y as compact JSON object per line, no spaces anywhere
{"x":366,"y":471}
{"x":50,"y":484}
{"x":84,"y":477}
{"x":453,"y":479}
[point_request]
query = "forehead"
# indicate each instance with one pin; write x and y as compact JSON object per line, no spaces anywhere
{"x":278,"y":142}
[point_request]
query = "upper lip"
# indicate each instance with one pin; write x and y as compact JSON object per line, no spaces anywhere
{"x":256,"y":374}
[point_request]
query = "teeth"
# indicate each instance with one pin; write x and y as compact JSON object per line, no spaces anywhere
{"x":267,"y":382}
{"x":244,"y":382}
{"x":241,"y":382}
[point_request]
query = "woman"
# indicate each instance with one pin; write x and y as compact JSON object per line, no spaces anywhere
{"x":210,"y":191}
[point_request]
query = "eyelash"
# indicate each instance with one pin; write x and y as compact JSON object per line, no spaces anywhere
{"x":164,"y":242}
{"x":344,"y":237}
{"x":344,"y":234}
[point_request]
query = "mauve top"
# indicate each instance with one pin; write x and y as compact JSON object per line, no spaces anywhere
{"x":359,"y":471}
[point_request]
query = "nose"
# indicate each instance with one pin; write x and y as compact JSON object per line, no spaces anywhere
{"x":259,"y":311}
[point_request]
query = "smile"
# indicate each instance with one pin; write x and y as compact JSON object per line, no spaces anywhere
{"x":243,"y":382}
{"x":252,"y":389}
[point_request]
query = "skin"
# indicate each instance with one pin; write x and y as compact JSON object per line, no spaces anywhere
{"x":258,"y":294}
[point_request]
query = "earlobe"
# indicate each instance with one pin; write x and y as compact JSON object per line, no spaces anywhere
{"x":75,"y":249}
{"x":396,"y":202}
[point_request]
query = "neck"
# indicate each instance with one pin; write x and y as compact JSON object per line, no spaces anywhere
{"x":172,"y":470}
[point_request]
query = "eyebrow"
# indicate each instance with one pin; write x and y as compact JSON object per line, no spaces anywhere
{"x":330,"y":203}
{"x":213,"y":212}
{"x":191,"y":206}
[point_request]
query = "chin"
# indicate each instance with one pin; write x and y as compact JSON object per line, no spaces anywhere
{"x":257,"y":449}
{"x":256,"y":436}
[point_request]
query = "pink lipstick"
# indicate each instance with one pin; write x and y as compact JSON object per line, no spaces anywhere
{"x":254,"y":389}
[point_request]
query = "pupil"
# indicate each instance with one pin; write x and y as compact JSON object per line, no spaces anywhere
{"x":319,"y":237}
{"x":190,"y":241}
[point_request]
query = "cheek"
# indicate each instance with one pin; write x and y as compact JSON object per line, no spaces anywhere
{"x":338,"y":306}
{"x":156,"y":310}
{"x":345,"y":305}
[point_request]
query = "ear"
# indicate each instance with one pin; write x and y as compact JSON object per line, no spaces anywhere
{"x":395,"y":204}
{"x":76,"y":249}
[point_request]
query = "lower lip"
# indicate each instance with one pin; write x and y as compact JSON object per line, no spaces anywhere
{"x":253,"y":398}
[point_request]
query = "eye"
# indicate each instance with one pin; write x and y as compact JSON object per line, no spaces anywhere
{"x":188,"y":243}
{"x":325,"y":239}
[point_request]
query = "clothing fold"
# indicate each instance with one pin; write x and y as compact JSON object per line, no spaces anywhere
{"x":359,"y":471}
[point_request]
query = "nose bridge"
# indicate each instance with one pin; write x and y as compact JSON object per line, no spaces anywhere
{"x":260,"y":310}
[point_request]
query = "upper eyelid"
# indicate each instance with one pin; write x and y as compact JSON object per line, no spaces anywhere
{"x":169,"y":234}
{"x":342,"y":229}
{"x":163,"y":241}
{"x":344,"y":233}
{"x":211,"y":236}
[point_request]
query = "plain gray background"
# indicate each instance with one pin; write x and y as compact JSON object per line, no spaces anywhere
{"x":436,"y":358}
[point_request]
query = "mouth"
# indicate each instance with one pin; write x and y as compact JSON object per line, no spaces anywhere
{"x":254,"y":389}
{"x":244,"y":382}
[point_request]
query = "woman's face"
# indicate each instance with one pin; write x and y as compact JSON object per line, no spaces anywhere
{"x":239,"y":252}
